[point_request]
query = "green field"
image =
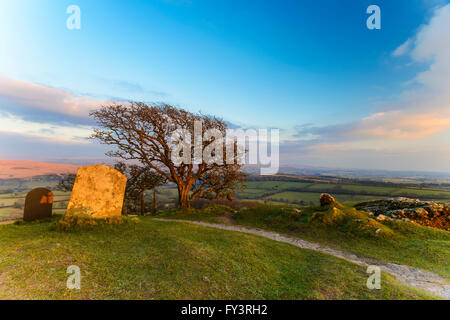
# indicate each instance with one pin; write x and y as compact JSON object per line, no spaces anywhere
{"x":308,"y":193}
{"x":312,"y":198}
{"x":10,"y":213}
{"x":27,"y":184}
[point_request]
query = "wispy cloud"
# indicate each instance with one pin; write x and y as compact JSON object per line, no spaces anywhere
{"x":47,"y":99}
{"x":27,"y":147}
{"x":384,"y":125}
{"x":134,"y":87}
{"x":402,"y":49}
{"x":68,"y":134}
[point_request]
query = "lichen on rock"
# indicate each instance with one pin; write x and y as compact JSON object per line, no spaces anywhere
{"x":427,"y":213}
{"x":98,"y":192}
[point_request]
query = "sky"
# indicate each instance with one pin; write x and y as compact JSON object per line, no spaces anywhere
{"x":342,"y":95}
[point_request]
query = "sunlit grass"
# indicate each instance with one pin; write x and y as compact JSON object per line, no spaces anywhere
{"x":160,"y":260}
{"x":396,"y":242}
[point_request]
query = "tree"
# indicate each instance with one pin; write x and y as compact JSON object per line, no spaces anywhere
{"x":224,"y":182}
{"x":144,"y":133}
{"x":67,"y":182}
{"x":139,"y":179}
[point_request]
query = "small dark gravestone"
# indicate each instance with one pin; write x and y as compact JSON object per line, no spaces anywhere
{"x":38,"y":204}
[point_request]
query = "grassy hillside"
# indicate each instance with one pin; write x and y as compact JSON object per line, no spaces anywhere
{"x":346,"y":229}
{"x":159,"y":260}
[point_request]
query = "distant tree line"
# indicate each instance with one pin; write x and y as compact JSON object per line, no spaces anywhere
{"x":339,"y":180}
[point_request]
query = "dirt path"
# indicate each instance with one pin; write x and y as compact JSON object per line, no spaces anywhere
{"x":424,"y":280}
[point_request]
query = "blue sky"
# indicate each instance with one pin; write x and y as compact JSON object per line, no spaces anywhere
{"x":310,"y":68}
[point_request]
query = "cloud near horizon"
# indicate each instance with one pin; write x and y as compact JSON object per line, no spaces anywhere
{"x":63,"y":133}
{"x":48,"y":114}
{"x":31,"y":110}
{"x":44,"y":98}
{"x":396,"y":124}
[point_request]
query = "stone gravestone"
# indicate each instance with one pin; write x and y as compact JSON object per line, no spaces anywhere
{"x":98,"y":192}
{"x":38,"y":204}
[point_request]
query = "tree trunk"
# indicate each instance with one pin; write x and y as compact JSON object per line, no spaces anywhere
{"x":142,"y":203}
{"x":125,"y":207}
{"x":154,"y":201}
{"x":183,"y":197}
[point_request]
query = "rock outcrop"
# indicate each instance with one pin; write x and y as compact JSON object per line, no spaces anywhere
{"x":327,"y":200}
{"x":427,"y":213}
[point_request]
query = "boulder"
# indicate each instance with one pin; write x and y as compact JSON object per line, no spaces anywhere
{"x":427,"y":213}
{"x":326,"y":200}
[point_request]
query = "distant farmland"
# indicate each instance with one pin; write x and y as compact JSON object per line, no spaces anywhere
{"x":11,"y":204}
{"x":307,"y":193}
{"x":298,"y":190}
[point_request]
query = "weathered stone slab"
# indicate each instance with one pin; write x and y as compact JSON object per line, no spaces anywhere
{"x":98,"y":192}
{"x":38,"y":204}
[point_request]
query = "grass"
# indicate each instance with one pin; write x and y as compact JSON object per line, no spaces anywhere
{"x":311,"y":197}
{"x":160,"y":260}
{"x":349,"y":229}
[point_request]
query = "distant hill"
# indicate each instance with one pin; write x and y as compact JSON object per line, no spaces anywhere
{"x":10,"y":169}
{"x":360,"y":174}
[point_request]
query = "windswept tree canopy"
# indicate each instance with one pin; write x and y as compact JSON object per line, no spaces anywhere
{"x":145,"y":133}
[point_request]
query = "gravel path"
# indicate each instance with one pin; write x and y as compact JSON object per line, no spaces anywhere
{"x":424,"y":280}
